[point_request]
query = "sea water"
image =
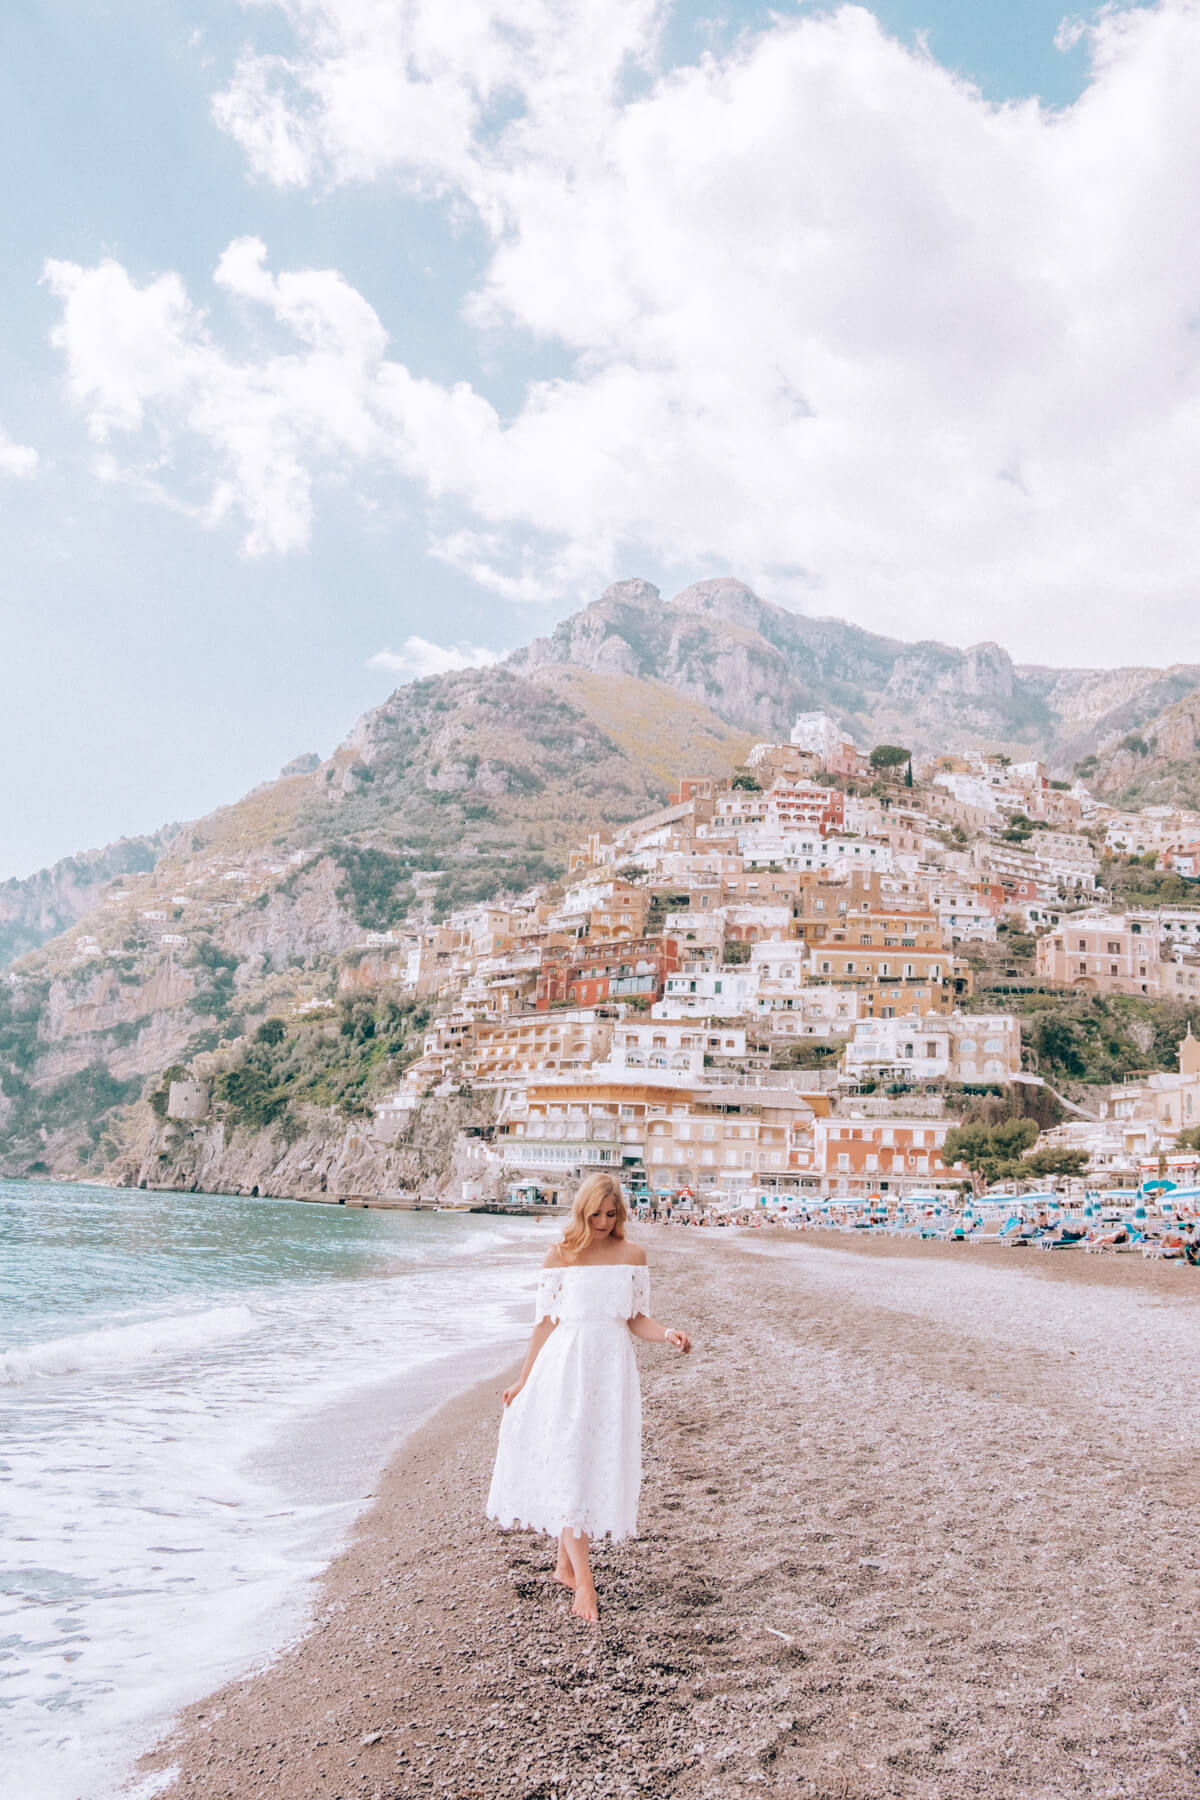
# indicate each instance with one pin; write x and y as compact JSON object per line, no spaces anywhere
{"x":197,"y":1393}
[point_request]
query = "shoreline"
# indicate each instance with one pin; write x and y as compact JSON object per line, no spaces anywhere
{"x":897,"y":1539}
{"x":197,"y":1416}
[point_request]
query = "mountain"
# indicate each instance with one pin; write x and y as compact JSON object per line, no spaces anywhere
{"x":456,"y":788}
{"x":757,"y":665}
{"x":166,"y":951}
{"x":1158,"y":764}
{"x":38,"y":907}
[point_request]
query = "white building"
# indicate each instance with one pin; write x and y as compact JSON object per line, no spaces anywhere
{"x":820,"y":734}
{"x":964,"y":1047}
{"x":761,"y":846}
{"x":722,"y":993}
{"x":672,"y":1044}
{"x":964,"y":915}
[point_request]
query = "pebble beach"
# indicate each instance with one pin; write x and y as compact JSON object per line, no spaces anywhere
{"x":918,"y":1520}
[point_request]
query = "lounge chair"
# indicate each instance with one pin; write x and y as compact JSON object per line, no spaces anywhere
{"x":1103,"y":1242}
{"x":1067,"y":1241}
{"x":1164,"y":1252}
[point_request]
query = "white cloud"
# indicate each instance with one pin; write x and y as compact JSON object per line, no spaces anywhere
{"x":838,"y":323}
{"x":143,"y":358}
{"x":417,"y":658}
{"x":19,"y":460}
{"x":423,"y":89}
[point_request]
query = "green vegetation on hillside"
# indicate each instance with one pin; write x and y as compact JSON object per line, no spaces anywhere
{"x":215,"y":971}
{"x":285,"y":1066}
{"x":374,"y":884}
{"x":1134,"y":881}
{"x":1098,"y":1038}
{"x":78,"y":1104}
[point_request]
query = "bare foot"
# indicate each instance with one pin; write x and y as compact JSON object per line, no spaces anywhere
{"x":586,"y":1606}
{"x":564,"y":1572}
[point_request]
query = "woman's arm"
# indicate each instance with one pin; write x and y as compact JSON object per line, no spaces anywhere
{"x":643,"y":1326}
{"x":541,"y":1332}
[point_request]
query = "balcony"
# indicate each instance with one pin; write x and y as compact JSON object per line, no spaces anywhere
{"x":573,"y":1131}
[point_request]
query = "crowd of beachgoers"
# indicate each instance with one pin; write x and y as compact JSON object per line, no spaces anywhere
{"x":1171,"y":1235}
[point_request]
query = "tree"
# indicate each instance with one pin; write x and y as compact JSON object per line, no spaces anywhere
{"x":1189,"y":1139}
{"x":889,"y":756}
{"x":271,"y":1031}
{"x":744,"y":779}
{"x":991,"y":1152}
{"x":1059,"y":1043}
{"x":1056,"y":1162}
{"x":908,"y":779}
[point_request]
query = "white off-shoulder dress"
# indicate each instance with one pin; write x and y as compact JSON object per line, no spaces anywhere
{"x":570,"y":1451}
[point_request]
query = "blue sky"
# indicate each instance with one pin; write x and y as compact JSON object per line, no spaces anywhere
{"x":156,"y":667}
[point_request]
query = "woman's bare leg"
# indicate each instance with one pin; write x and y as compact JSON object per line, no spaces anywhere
{"x":586,"y":1606}
{"x":563,"y":1570}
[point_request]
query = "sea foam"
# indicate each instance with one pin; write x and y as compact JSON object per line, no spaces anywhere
{"x":119,"y":1347}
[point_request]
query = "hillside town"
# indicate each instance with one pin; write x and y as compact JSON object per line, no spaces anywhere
{"x":771,"y":988}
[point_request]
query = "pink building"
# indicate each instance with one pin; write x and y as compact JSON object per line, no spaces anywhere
{"x":1102,"y":954}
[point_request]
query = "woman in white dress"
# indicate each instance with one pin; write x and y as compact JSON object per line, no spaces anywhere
{"x":569,"y":1461}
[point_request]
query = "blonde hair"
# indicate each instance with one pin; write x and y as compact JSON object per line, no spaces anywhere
{"x":593,"y":1190}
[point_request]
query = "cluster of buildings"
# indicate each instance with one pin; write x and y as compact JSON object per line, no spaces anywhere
{"x":765,"y":985}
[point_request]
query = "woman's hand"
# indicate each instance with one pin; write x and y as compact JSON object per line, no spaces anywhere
{"x":511,"y":1393}
{"x":678,"y":1340}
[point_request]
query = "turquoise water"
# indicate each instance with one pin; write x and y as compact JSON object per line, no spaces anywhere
{"x":196,"y":1394}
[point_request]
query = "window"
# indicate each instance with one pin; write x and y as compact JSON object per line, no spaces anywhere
{"x":844,"y":1160}
{"x":931,"y":1048}
{"x":1083,"y":943}
{"x":1114,"y":949}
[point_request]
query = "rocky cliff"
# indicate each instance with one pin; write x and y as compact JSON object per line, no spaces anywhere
{"x":1156,"y":764}
{"x":326,"y":1157}
{"x":38,"y":907}
{"x":757,"y":665}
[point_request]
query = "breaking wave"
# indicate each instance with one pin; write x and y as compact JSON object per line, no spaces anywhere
{"x":125,"y":1346}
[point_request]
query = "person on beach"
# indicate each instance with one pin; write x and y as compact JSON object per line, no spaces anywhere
{"x":569,"y":1459}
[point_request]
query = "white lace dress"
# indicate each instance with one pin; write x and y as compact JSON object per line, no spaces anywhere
{"x":570,"y":1451}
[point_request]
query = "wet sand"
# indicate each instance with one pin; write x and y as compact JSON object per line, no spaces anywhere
{"x":909,"y":1529}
